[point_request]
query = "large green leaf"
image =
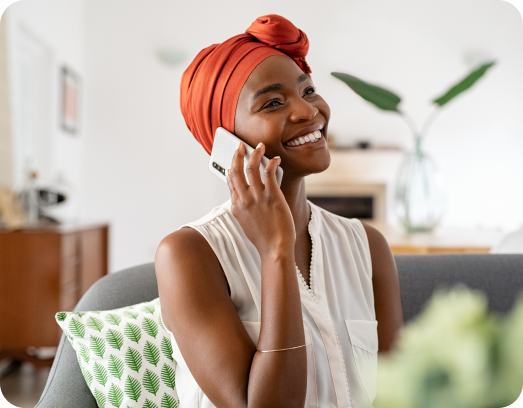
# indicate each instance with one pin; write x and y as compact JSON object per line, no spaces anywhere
{"x":167,"y":348}
{"x":115,"y":396}
{"x":132,"y":388}
{"x":148,"y":309}
{"x":113,"y":318}
{"x":133,"y":359}
{"x":133,"y":332}
{"x":151,"y":382}
{"x":88,"y":377}
{"x":77,"y":328}
{"x":114,"y":338}
{"x":168,"y":376}
{"x":97,"y":345}
{"x":149,"y":404}
{"x":150,"y":327}
{"x":95,"y":323}
{"x":378,"y":96}
{"x":130,"y":315}
{"x":115,"y":366}
{"x":168,"y":401}
{"x":151,"y":353}
{"x":61,"y":316}
{"x":84,"y":352}
{"x":100,"y":373}
{"x":464,"y":84}
{"x":100,"y":398}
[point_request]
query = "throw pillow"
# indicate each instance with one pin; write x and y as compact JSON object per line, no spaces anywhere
{"x":125,"y":355}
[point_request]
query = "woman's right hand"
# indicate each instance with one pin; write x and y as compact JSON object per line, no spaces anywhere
{"x":261,"y":209}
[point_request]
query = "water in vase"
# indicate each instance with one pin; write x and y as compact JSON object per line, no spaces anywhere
{"x":420,"y":191}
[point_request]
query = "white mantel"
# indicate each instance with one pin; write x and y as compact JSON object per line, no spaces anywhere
{"x":360,"y":172}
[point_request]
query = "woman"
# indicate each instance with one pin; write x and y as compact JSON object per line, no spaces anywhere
{"x":271,"y":300}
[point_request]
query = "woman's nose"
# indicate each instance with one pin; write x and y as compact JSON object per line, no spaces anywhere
{"x":303,"y":111}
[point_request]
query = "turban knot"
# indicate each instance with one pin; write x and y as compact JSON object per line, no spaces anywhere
{"x":212,"y":83}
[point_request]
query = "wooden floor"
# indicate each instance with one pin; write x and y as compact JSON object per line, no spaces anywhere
{"x":23,"y":386}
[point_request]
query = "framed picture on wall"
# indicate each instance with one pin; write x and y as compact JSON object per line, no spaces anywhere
{"x":70,"y":98}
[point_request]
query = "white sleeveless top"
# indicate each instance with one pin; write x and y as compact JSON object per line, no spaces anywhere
{"x":338,"y":309}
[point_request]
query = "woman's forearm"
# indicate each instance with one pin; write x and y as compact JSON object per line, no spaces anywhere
{"x":279,"y":379}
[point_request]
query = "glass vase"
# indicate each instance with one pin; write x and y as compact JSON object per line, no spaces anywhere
{"x":420,"y":191}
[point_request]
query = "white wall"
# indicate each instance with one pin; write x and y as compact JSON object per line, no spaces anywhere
{"x":147,"y":175}
{"x":54,"y":31}
{"x":6,"y":149}
{"x":143,"y":170}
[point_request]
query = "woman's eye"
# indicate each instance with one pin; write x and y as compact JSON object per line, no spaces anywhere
{"x":272,"y":104}
{"x":310,"y":90}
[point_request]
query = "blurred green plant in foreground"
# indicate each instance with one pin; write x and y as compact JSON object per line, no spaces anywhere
{"x":455,"y":355}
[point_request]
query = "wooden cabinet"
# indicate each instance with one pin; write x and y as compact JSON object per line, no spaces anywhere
{"x":44,"y":271}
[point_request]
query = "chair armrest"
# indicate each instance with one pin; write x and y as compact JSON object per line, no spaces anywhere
{"x":66,"y":386}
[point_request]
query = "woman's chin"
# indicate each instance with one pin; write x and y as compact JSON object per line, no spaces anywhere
{"x":321,"y":167}
{"x":321,"y":161}
{"x":318,"y":163}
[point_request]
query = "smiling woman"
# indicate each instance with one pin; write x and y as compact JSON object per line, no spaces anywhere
{"x":270,"y":300}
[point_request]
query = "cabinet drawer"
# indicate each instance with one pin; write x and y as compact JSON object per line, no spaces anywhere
{"x":69,"y":245}
{"x":69,"y":296}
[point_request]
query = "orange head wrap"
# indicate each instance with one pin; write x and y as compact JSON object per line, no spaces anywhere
{"x":211,"y":85}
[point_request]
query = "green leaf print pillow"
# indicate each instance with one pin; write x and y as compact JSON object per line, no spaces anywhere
{"x":125,"y":355}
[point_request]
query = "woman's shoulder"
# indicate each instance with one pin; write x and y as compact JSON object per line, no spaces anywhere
{"x":191,"y":242}
{"x":330,"y":220}
{"x":185,"y":240}
{"x":363,"y":228}
{"x":368,"y":237}
{"x":377,"y":242}
{"x":182,"y":250}
{"x":211,"y":216}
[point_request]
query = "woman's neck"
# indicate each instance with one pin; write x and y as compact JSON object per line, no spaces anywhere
{"x":296,"y":197}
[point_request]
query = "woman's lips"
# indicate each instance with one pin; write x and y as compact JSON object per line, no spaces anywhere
{"x":312,"y":137}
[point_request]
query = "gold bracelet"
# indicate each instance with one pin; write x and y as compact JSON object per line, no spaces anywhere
{"x":290,"y":348}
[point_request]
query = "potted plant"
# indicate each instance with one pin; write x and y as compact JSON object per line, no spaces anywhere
{"x":420,"y":192}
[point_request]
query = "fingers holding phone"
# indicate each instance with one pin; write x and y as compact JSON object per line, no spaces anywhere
{"x":253,"y":205}
{"x":271,"y":182}
{"x":236,"y":176}
{"x":252,"y":170}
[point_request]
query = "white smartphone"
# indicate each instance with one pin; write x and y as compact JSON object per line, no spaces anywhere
{"x":223,"y":149}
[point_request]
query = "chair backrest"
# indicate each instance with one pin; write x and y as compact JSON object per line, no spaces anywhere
{"x":499,"y":276}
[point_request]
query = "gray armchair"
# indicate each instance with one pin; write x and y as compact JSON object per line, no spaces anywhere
{"x":500,"y":276}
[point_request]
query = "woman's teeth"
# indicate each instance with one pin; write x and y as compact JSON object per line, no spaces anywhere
{"x":310,"y":138}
